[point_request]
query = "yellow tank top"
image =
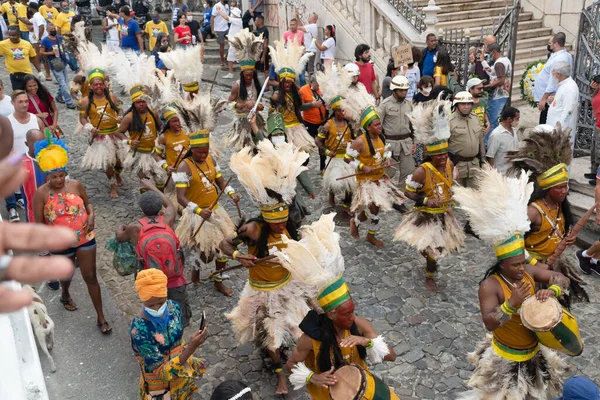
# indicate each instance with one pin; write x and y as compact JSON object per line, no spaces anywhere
{"x":375,"y":161}
{"x":437,"y":186}
{"x":85,"y":89}
{"x":202,"y":189}
{"x":513,"y":334}
{"x":289,"y":115}
{"x":541,"y":244}
{"x":175,"y":143}
{"x":107,"y":125}
{"x":350,"y":355}
{"x":333,"y":142}
{"x":148,"y":136}
{"x":266,"y":276}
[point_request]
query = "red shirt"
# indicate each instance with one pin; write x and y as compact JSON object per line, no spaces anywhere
{"x":288,"y":35}
{"x":43,"y":108}
{"x":183,"y":31}
{"x":596,"y":108}
{"x":367,"y":76}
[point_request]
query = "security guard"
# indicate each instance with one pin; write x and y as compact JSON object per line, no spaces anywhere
{"x":466,"y":145}
{"x":397,"y":128}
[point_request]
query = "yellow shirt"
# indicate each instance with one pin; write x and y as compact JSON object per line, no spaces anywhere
{"x":153,"y":30}
{"x":175,"y":144}
{"x":148,"y":137}
{"x":17,"y":56}
{"x":201,"y":189}
{"x":334,"y":140}
{"x":371,"y":160}
{"x":13,"y":11}
{"x":437,"y":186}
{"x":49,"y":13}
{"x":265,"y":275}
{"x":437,"y":71}
{"x":105,"y":123}
{"x":63,"y":21}
{"x":541,"y":244}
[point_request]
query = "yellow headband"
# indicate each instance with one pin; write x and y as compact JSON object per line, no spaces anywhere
{"x":555,"y":176}
{"x":191,"y":87}
{"x":334,"y":294}
{"x":511,"y":247}
{"x":199,"y":138}
{"x":275,"y":214}
{"x":150,"y":283}
{"x":437,"y":147}
{"x":336,"y":102}
{"x":287,"y":73}
{"x":368,"y":116}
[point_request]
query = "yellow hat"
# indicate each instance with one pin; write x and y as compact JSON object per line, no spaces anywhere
{"x":333,"y":294}
{"x":555,"y":176}
{"x":150,"y":283}
{"x":191,"y":87}
{"x":437,"y":147}
{"x":287,"y":73}
{"x":199,"y":138}
{"x":51,"y":154}
{"x":368,"y":116}
{"x":275,"y":214}
{"x":168,"y":113}
{"x":511,"y":247}
{"x":136,"y":92}
{"x":96,"y":73}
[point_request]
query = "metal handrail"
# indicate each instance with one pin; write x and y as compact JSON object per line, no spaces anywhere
{"x":410,"y":14}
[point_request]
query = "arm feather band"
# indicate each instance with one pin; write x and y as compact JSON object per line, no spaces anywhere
{"x":88,"y":127}
{"x":378,"y":350}
{"x":561,"y":281}
{"x":299,"y":375}
{"x":191,"y":206}
{"x":500,"y":316}
{"x":412,"y":184}
{"x":181,"y":177}
{"x":354,"y":164}
{"x":351,"y":152}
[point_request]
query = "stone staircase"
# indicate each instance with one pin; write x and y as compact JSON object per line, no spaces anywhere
{"x":532,"y":36}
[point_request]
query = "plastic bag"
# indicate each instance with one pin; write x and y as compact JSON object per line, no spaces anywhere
{"x":125,"y":260}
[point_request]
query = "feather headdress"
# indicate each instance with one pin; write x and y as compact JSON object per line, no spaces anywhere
{"x":186,"y":65}
{"x":247,"y":48}
{"x":334,"y":83}
{"x":137,"y":75}
{"x":503,"y":221}
{"x":430,"y":124}
{"x":546,"y":153}
{"x":269,"y":177}
{"x":289,"y":59}
{"x":93,"y":62}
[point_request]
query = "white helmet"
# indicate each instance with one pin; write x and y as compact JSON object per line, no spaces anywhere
{"x":462,"y":97}
{"x":352,"y":69}
{"x":399,"y":82}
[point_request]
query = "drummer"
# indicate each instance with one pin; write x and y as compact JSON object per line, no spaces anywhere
{"x":510,"y":363}
{"x":334,"y":338}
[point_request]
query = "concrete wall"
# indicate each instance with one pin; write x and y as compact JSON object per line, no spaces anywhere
{"x":561,"y":15}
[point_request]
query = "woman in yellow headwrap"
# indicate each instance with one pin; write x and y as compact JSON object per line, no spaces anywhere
{"x":166,"y":362}
{"x":62,"y":201}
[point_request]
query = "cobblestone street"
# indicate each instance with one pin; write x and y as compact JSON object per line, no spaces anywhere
{"x":431,"y":333}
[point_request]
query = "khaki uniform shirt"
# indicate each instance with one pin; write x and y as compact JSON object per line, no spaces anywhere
{"x":394,"y":117}
{"x":466,"y":140}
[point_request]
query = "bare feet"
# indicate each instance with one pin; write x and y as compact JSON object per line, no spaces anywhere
{"x":113,"y":191}
{"x":119,"y":180}
{"x":331,"y":199}
{"x":431,"y":285}
{"x":281,"y":384}
{"x":220,"y":286}
{"x":195,"y":277}
{"x":374,"y":241}
{"x":354,"y":229}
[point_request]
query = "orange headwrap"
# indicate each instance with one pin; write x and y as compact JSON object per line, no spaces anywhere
{"x":150,"y":283}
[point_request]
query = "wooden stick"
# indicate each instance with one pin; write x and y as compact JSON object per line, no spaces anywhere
{"x":183,"y":151}
{"x":240,"y":266}
{"x":361,"y":173}
{"x":578,"y":227}
{"x":336,"y":148}
{"x":239,"y":211}
{"x":212,"y":205}
{"x":213,"y":82}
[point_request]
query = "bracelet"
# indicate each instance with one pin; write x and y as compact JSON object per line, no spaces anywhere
{"x":197,"y":210}
{"x":309,"y":376}
{"x":129,"y":142}
{"x":360,"y":166}
{"x":425,"y":200}
{"x":165,"y":166}
{"x":507,"y":308}
{"x":327,"y":152}
{"x":370,"y":345}
{"x":556,"y":289}
{"x":234,"y":254}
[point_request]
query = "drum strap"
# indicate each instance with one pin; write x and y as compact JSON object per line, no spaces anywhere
{"x":552,"y":223}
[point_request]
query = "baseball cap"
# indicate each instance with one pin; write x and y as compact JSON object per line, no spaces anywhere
{"x":580,"y":388}
{"x":471,"y":83}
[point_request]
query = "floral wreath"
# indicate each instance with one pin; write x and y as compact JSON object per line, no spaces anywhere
{"x":528,"y":79}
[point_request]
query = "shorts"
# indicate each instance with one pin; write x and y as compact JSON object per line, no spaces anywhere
{"x":231,"y":54}
{"x":71,"y":252}
{"x":221,"y":36}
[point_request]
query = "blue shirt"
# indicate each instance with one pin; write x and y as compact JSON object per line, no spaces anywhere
{"x":49,"y":44}
{"x":207,"y":14}
{"x":128,"y":34}
{"x":428,"y":63}
{"x":176,"y":10}
{"x":272,"y":73}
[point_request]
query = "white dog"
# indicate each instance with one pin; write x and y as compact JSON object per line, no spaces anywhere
{"x":42,"y":324}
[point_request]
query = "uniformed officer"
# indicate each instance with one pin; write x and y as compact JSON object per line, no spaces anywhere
{"x":466,"y":145}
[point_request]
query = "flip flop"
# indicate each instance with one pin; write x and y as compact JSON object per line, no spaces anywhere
{"x":69,"y":304}
{"x":105,"y":328}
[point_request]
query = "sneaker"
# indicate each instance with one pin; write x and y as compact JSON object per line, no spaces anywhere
{"x":592,"y":182}
{"x":595,"y":268}
{"x":54,"y":285}
{"x":228,"y":76}
{"x":583,"y":262}
{"x":60,"y":100}
{"x":71,"y":106}
{"x":401,"y":208}
{"x":589,"y":176}
{"x":13,"y":216}
{"x":21,"y":204}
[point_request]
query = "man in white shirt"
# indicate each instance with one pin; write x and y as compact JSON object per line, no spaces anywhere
{"x":499,"y":85}
{"x":311,"y":31}
{"x":563,"y":105}
{"x":6,"y":107}
{"x":544,"y":85}
{"x":37,"y":23}
{"x":219,"y":26}
{"x":502,"y":139}
{"x":235,"y":21}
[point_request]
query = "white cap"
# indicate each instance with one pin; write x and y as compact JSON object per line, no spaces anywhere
{"x":236,"y":12}
{"x":399,"y":82}
{"x":471,"y":83}
{"x":462,"y":97}
{"x":352,"y":69}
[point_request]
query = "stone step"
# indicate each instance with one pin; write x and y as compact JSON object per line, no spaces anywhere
{"x":533,"y":33}
{"x":530,"y":52}
{"x":537,"y":41}
{"x":471,"y":14}
{"x":471,"y":5}
{"x":442,"y":3}
{"x":476,"y":23}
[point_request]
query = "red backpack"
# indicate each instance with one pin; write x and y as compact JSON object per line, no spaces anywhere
{"x":158,"y":247}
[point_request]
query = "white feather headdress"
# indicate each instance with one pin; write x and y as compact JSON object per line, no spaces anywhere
{"x":247,"y":48}
{"x":137,"y":75}
{"x":356,"y":101}
{"x":289,"y":56}
{"x":333,"y":82}
{"x":497,"y":209}
{"x":186,"y":65}
{"x":273,"y":169}
{"x":430,"y":121}
{"x":89,"y":55}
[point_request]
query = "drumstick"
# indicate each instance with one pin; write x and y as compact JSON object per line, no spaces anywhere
{"x":272,"y":256}
{"x":578,"y":227}
{"x":212,"y":205}
{"x":238,"y":208}
{"x":374,"y":169}
{"x":183,"y":149}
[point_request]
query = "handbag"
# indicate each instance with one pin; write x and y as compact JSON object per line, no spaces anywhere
{"x":59,"y":133}
{"x":57,"y":63}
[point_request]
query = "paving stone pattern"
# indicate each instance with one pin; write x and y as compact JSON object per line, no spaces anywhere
{"x":430,"y":333}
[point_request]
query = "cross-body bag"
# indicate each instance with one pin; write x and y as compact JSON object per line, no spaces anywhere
{"x":59,"y":133}
{"x":57,"y":63}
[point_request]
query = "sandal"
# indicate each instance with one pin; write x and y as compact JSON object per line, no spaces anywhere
{"x":105,"y":328}
{"x":69,"y":304}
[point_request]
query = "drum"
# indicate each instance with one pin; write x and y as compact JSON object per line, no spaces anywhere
{"x":354,"y":383}
{"x":554,"y":326}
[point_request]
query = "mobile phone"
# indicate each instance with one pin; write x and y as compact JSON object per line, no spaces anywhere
{"x":202,"y":321}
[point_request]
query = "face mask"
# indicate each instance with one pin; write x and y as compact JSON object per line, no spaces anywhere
{"x":65,"y":10}
{"x":156,"y":313}
{"x":277,"y":139}
{"x":549,"y":48}
{"x":52,"y":33}
{"x":427,"y":90}
{"x":205,"y":6}
{"x":163,"y":48}
{"x":156,"y":20}
{"x":160,"y":318}
{"x":190,"y":17}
